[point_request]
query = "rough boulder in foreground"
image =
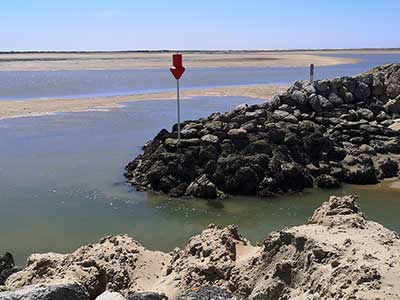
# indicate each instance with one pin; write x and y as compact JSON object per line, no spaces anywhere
{"x":315,"y":134}
{"x":338,"y":254}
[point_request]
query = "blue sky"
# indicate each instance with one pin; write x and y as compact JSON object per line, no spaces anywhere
{"x":188,"y":24}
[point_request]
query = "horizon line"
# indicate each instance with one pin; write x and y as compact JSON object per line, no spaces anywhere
{"x":196,"y":50}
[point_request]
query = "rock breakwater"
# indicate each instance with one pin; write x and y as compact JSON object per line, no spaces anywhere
{"x":342,"y":130}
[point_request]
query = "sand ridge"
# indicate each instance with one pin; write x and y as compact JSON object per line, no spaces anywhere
{"x":39,"y":107}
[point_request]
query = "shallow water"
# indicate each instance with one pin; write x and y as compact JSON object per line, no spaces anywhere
{"x":16,"y":85}
{"x":61,"y":184}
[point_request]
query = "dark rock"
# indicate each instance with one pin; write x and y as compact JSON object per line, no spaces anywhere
{"x":310,"y":89}
{"x":207,"y":153}
{"x":367,"y":149}
{"x":387,"y":167}
{"x":393,"y":106}
{"x":261,"y":146}
{"x":185,"y":143}
{"x":214,"y":126}
{"x":360,"y":174}
{"x":179,"y":190}
{"x":250,"y":126}
{"x":268,"y":187}
{"x":7,"y":267}
{"x":284,"y":272}
{"x":155,"y":173}
{"x":246,"y":180}
{"x":300,"y":98}
{"x":210,"y":139}
{"x":208,"y":293}
{"x":239,"y":137}
{"x":324,"y":103}
{"x":366,"y":114}
{"x":346,"y":95}
{"x":378,"y":85}
{"x":286,"y":108}
{"x":280,"y":115}
{"x":276,"y":102}
{"x":63,"y":291}
{"x":315,"y":104}
{"x":327,"y":182}
{"x":146,"y":296}
{"x":362,"y":91}
{"x":392,"y":79}
{"x":335,"y":99}
{"x":349,"y":83}
{"x":202,"y":187}
{"x":322,"y":86}
{"x":392,"y":146}
{"x":189,"y":133}
{"x":295,"y":177}
{"x":382,"y":116}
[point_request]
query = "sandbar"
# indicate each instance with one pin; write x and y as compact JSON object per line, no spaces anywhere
{"x":39,"y":107}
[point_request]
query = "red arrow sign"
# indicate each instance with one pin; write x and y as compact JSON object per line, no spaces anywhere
{"x":177,"y":68}
{"x":177,"y":72}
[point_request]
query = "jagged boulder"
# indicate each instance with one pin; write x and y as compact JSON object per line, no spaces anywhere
{"x":110,"y":264}
{"x":216,"y":246}
{"x":325,"y":259}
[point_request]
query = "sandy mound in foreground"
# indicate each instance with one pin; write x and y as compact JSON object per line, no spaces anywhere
{"x":339,"y":254}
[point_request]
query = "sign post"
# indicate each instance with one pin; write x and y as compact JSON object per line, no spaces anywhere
{"x":177,"y":71}
{"x":311,"y":72}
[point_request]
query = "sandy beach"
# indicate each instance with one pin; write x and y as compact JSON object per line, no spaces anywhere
{"x":144,"y":60}
{"x":28,"y":108}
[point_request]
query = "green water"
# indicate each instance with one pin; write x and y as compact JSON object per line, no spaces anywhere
{"x":61,"y":185}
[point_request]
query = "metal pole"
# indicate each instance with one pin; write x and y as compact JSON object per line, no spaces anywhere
{"x":179,"y":111}
{"x":311,"y":72}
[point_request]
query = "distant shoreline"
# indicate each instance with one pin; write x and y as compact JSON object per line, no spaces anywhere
{"x":200,"y":51}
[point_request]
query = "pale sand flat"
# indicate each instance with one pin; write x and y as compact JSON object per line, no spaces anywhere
{"x":139,"y":60}
{"x":30,"y":108}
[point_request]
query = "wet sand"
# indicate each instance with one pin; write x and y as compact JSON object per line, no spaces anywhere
{"x":28,"y":108}
{"x":144,"y":60}
{"x":386,"y":185}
